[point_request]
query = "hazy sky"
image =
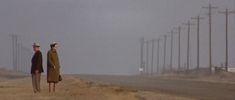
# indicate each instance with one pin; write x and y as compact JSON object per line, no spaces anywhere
{"x":102,"y":36}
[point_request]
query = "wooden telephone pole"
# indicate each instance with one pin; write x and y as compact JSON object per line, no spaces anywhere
{"x":179,"y":46}
{"x":158,"y":54}
{"x":227,"y":12}
{"x":141,"y":55}
{"x":164,"y":57}
{"x":210,"y":7}
{"x":14,"y":51}
{"x":198,"y":18}
{"x":189,"y":24}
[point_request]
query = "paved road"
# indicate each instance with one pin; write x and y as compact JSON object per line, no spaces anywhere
{"x":196,"y":89}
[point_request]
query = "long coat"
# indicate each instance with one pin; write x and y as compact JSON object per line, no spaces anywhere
{"x":53,"y":60}
{"x":37,"y":62}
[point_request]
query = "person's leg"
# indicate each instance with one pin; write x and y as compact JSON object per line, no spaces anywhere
{"x":54,"y":87}
{"x":38,"y":82}
{"x":49,"y":87}
{"x":34,"y":83}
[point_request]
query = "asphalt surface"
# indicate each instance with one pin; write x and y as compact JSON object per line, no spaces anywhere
{"x":196,"y":89}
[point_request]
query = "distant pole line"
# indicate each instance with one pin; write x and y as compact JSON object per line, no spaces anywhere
{"x":189,"y":62}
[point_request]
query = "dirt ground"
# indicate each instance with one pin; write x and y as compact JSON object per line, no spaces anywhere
{"x":72,"y":88}
{"x":219,"y":77}
{"x":197,"y":89}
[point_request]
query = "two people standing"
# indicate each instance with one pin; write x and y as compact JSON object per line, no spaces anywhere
{"x":53,"y":67}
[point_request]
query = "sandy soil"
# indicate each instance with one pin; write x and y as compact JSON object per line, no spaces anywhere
{"x":72,"y":88}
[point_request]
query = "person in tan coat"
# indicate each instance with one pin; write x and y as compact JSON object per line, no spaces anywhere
{"x":53,"y":66}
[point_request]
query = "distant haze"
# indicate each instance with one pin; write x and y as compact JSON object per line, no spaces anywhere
{"x":102,"y":36}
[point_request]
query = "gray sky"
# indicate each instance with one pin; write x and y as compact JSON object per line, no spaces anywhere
{"x":102,"y":36}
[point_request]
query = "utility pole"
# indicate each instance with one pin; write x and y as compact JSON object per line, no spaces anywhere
{"x":171,"y":55}
{"x":14,"y":51}
{"x":164,"y":57}
{"x":227,"y":12}
{"x":188,"y":43}
{"x":152,"y":57}
{"x":179,"y":46}
{"x":158,"y":54}
{"x":147,"y":57}
{"x":171,"y":60}
{"x":198,"y":18}
{"x":210,"y":7}
{"x":141,"y":55}
{"x":17,"y":56}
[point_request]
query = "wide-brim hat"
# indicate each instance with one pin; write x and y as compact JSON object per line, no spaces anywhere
{"x":36,"y":45}
{"x":54,"y":43}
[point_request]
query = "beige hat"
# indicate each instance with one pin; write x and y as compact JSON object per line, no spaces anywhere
{"x":36,"y":45}
{"x":54,"y":43}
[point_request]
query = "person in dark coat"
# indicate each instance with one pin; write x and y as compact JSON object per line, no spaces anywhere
{"x":36,"y":68}
{"x":53,"y":66}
